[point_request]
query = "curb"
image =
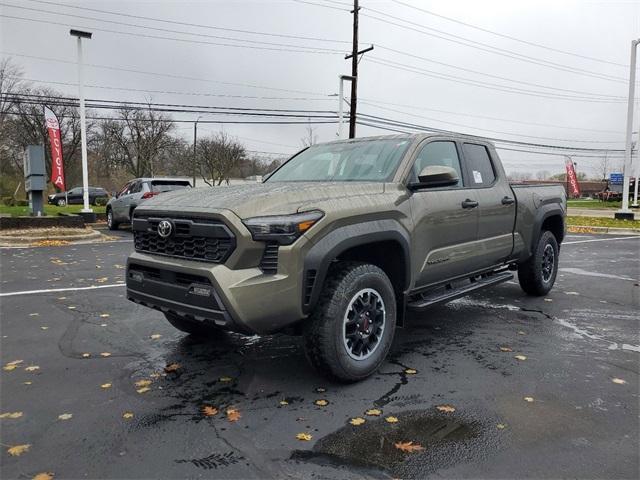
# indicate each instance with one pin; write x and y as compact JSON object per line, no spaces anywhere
{"x":29,"y":240}
{"x":605,"y":230}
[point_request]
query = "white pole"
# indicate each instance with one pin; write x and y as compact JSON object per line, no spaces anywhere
{"x":340,"y":107}
{"x":83,"y":132}
{"x":624,"y":212}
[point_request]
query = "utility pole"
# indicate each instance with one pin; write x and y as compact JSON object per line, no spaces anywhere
{"x":354,"y":56}
{"x":625,"y":213}
{"x":83,"y":122}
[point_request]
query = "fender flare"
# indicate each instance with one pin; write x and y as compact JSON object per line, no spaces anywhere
{"x":320,"y":256}
{"x":544,"y":213}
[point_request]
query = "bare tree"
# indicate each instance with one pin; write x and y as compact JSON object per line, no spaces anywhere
{"x":603,"y":167}
{"x":543,"y":174}
{"x":140,"y":135}
{"x":310,"y":138}
{"x":11,"y":82}
{"x":218,"y":156}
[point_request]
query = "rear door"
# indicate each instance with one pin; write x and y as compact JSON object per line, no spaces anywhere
{"x":496,"y":203}
{"x":75,"y":195}
{"x":445,"y":218}
{"x":117,"y":205}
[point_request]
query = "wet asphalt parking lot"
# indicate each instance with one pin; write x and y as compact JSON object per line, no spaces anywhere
{"x":100,"y":404}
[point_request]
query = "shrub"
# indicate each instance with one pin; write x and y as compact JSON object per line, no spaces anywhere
{"x":102,"y":201}
{"x":8,"y":201}
{"x":22,"y":203}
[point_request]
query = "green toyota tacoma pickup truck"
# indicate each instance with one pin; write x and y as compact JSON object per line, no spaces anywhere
{"x":341,"y":241}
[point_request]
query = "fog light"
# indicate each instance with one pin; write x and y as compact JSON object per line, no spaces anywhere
{"x":136,"y":276}
{"x":201,"y":291}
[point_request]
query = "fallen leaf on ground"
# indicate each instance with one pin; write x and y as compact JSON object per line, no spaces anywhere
{"x":209,"y":411}
{"x":127,"y":415}
{"x":8,"y":368}
{"x":521,"y":333}
{"x":284,"y":402}
{"x":548,"y":300}
{"x":44,"y":476}
{"x":32,"y":368}
{"x":105,"y":354}
{"x":86,"y":355}
{"x":104,"y":315}
{"x":373,"y":412}
{"x":446,"y":408}
{"x":528,"y":399}
{"x":225,"y":379}
{"x":520,"y":357}
{"x":71,"y":307}
{"x":43,"y":327}
{"x":506,"y":349}
{"x":619,"y":381}
{"x":18,"y":450}
{"x":155,"y":336}
{"x":143,"y":383}
{"x":408,"y":447}
{"x":143,"y":390}
{"x":11,"y":415}
{"x":27,"y":383}
{"x":357,"y":421}
{"x":321,"y":402}
{"x":105,"y":385}
{"x":321,"y":389}
{"x":103,"y":324}
{"x":305,"y":437}
{"x":15,"y":362}
{"x":65,"y":416}
{"x":391,"y":419}
{"x":34,"y":314}
{"x":102,"y":279}
{"x":233,"y":414}
{"x":62,"y":298}
{"x":410,"y":371}
{"x":172,"y":367}
{"x":501,"y":426}
{"x":572,"y":293}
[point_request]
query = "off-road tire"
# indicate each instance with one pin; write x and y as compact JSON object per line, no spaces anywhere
{"x":323,"y":331}
{"x":531,"y":273}
{"x":192,"y":327}
{"x":111,"y":223}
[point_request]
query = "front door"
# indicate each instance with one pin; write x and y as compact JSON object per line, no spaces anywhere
{"x":445,"y":219}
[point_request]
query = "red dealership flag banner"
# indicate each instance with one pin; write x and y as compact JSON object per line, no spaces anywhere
{"x":572,"y":179}
{"x":57,"y":165}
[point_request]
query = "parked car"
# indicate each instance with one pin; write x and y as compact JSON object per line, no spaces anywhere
{"x":75,"y":195}
{"x":341,"y":240}
{"x":120,"y":207}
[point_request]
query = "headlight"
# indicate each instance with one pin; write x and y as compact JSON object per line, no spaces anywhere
{"x":284,"y":229}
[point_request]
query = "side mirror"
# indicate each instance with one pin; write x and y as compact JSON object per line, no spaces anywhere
{"x":436,"y":176}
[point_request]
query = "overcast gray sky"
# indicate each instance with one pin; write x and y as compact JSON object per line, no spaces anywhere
{"x":406,"y":91}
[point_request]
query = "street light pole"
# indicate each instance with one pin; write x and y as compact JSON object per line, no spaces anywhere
{"x":83,"y":122}
{"x":624,"y":212}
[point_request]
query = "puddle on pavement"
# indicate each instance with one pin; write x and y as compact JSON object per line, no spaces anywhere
{"x":446,"y":439}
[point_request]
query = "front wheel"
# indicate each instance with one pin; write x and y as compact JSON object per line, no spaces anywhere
{"x":111,"y":223}
{"x":538,"y":274}
{"x":351,"y":330}
{"x":61,"y":202}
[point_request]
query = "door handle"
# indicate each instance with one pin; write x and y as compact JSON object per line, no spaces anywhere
{"x":468,"y":203}
{"x":508,"y":201}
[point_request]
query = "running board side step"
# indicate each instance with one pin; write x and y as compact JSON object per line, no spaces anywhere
{"x":453,"y":290}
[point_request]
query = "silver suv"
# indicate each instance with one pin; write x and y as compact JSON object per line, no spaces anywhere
{"x":120,"y":207}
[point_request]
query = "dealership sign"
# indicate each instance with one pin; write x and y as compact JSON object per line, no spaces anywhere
{"x":57,"y":165}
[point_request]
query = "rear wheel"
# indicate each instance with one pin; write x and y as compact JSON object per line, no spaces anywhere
{"x":61,"y":202}
{"x":111,"y":223}
{"x":191,"y":326}
{"x":538,"y":274}
{"x":351,"y":330}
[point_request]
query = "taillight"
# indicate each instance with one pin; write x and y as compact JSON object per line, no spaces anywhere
{"x":149,"y":194}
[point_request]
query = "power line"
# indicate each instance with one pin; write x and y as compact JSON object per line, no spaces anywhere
{"x":157,"y":37}
{"x":515,"y":39}
{"x":522,"y":82}
{"x":488,"y":48}
{"x":491,"y":86}
{"x":160,"y":74}
{"x":321,"y":5}
{"x":187,"y":24}
{"x":377,"y":103}
{"x":259,"y":42}
{"x":497,"y":131}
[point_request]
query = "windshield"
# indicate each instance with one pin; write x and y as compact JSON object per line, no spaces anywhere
{"x":368,"y":161}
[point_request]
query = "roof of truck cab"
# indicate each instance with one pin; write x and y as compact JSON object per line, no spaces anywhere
{"x":414,"y":137}
{"x":161,"y":179}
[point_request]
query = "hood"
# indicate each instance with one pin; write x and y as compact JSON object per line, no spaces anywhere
{"x":276,"y":198}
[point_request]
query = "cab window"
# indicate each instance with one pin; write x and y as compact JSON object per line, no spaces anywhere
{"x":437,"y":154}
{"x":481,"y":171}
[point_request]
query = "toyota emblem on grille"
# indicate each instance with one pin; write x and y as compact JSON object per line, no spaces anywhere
{"x":165,"y":228}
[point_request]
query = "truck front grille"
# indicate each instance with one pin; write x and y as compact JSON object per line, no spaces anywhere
{"x":204,"y":240}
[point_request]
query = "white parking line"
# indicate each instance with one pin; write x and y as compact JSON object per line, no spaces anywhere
{"x":53,"y":290}
{"x":630,"y":237}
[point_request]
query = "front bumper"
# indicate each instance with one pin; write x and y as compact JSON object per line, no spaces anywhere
{"x":245,"y":300}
